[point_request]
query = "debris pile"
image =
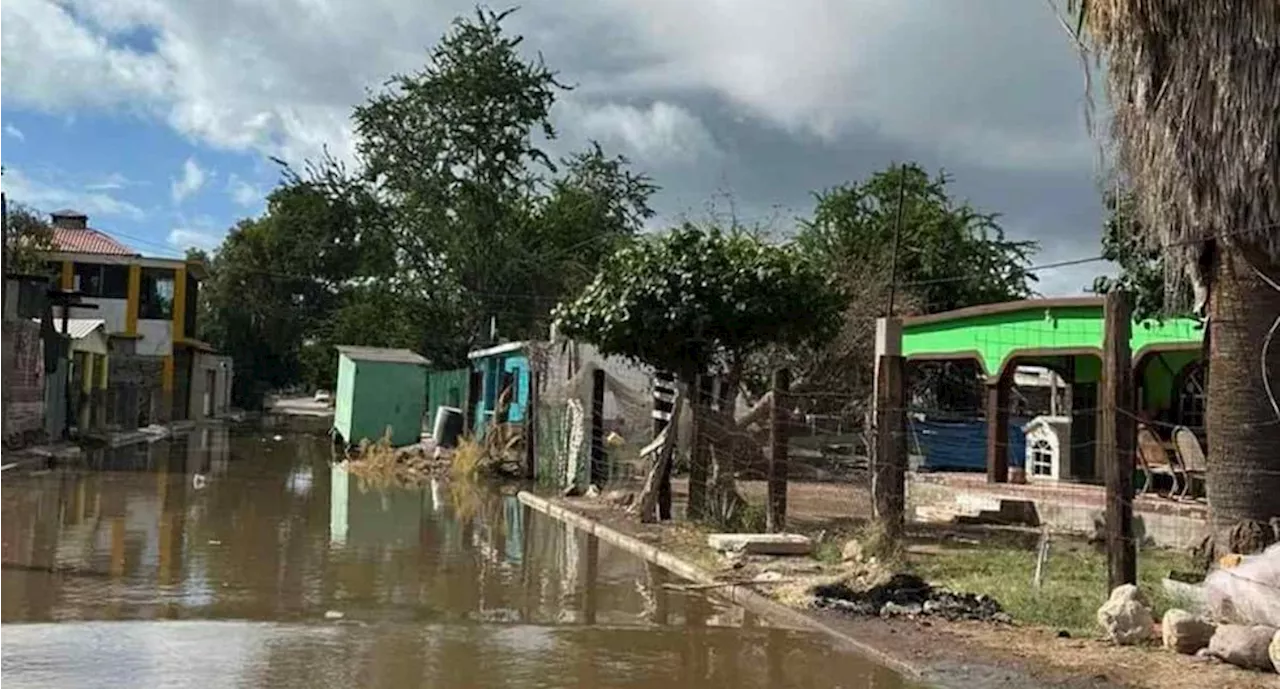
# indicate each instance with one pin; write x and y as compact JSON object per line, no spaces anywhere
{"x":907,"y":595}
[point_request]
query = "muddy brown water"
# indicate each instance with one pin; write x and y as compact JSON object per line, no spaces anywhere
{"x":231,"y":559}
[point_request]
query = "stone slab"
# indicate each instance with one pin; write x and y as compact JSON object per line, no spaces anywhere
{"x":761,"y":544}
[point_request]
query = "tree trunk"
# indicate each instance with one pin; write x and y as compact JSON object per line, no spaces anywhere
{"x":1241,"y":421}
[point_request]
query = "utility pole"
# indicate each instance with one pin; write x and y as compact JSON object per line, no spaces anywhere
{"x":4,"y":276}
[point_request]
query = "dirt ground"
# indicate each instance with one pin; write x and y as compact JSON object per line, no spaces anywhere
{"x":952,"y":654}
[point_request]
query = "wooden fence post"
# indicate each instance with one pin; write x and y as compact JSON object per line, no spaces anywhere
{"x":664,"y":399}
{"x":599,"y":471}
{"x":888,"y":477}
{"x":700,"y":400}
{"x":1116,"y":438}
{"x":997,"y":412}
{"x":776,"y":516}
{"x":531,"y":428}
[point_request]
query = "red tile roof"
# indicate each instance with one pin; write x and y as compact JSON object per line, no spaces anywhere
{"x":88,"y":241}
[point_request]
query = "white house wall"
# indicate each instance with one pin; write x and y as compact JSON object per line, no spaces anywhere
{"x":114,"y":311}
{"x":157,"y":337}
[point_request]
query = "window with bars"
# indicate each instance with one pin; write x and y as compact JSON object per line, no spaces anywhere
{"x":1191,"y":396}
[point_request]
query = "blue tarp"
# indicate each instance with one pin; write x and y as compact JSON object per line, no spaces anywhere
{"x":962,"y":445}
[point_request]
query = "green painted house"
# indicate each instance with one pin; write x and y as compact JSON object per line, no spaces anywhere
{"x":380,"y":390}
{"x":1065,"y":335}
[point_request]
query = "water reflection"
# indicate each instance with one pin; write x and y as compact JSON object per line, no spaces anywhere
{"x":447,"y":585}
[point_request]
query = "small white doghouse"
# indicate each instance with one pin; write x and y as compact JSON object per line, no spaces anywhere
{"x":1048,"y":448}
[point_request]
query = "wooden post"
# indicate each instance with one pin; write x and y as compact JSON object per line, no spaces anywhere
{"x":1116,"y":438}
{"x":531,"y":428}
{"x":700,"y":396}
{"x":664,"y":399}
{"x":888,"y":477}
{"x":475,"y":385}
{"x":998,"y":429}
{"x":776,"y":516}
{"x":599,"y":471}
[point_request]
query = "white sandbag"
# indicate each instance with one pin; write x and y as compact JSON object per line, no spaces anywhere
{"x":1248,"y":593}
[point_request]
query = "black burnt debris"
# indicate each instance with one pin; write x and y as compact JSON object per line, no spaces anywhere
{"x":907,"y":595}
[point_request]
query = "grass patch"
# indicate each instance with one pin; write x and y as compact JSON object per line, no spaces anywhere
{"x":468,"y":458}
{"x":828,"y":552}
{"x":1074,"y":581}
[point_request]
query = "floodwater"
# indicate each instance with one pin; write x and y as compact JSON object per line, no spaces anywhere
{"x":230,"y":559}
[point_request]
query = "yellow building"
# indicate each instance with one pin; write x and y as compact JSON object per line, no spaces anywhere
{"x":160,"y":370}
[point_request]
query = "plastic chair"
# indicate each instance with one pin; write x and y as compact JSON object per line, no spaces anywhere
{"x":1153,"y":459}
{"x":1191,"y":456}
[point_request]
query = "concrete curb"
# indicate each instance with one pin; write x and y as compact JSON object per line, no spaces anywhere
{"x":745,"y":597}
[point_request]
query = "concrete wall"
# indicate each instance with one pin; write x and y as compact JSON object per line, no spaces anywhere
{"x":113,"y":311}
{"x":206,"y":400}
{"x":1069,"y":508}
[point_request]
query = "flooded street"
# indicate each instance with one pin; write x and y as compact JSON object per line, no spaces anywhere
{"x":229,"y":559}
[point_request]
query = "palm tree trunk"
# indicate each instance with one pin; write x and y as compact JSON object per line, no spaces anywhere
{"x":1242,"y":424}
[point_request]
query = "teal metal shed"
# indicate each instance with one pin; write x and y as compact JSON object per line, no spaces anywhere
{"x":380,"y":389}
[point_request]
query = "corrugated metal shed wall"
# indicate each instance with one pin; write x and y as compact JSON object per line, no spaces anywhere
{"x":445,"y":389}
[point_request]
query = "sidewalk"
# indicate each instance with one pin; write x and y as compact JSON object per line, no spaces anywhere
{"x":952,"y":654}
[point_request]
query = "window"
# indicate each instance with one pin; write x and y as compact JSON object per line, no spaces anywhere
{"x":156,"y":296}
{"x":99,"y":280}
{"x":1042,"y":458}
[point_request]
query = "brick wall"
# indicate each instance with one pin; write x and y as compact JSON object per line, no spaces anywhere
{"x":24,"y":383}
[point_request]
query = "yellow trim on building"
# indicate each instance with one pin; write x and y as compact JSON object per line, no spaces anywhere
{"x":86,"y":361}
{"x":179,"y":303}
{"x":134,"y":300}
{"x":101,"y":367}
{"x":68,"y":276}
{"x":166,"y":374}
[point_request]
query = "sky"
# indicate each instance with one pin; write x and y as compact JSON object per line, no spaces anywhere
{"x":158,"y":118}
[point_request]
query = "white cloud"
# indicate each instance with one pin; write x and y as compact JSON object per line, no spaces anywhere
{"x":14,"y":132}
{"x":999,"y":87}
{"x":112,"y":181}
{"x":50,"y":196}
{"x":186,"y":238}
{"x":243,"y":193}
{"x":660,"y":134}
{"x":191,"y":180}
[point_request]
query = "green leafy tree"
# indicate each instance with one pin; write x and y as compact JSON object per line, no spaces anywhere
{"x":950,"y":255}
{"x":453,"y":147}
{"x":454,"y":218}
{"x":590,"y":211}
{"x":1142,"y":267}
{"x":697,"y":301}
{"x":28,"y":237}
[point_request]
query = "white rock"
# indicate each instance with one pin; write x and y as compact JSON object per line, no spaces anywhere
{"x":1184,"y":632}
{"x":1125,"y":618}
{"x":333,"y":615}
{"x":1244,"y":646}
{"x":593,"y":491}
{"x":1274,"y":650}
{"x":851,"y":552}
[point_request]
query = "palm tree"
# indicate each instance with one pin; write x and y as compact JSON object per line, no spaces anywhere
{"x":1194,"y":87}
